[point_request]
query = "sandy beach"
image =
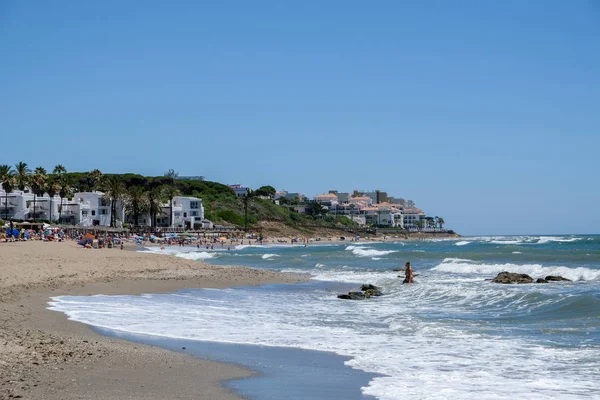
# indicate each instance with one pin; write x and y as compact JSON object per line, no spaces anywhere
{"x":45,"y":356}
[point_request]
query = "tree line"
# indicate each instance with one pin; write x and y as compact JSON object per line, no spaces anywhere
{"x":139,"y":194}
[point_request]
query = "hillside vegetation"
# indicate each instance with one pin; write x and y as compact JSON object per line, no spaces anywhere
{"x":221,"y":204}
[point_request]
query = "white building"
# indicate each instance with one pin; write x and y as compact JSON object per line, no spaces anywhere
{"x":328,"y":199}
{"x":20,"y":204}
{"x":187,"y":212}
{"x":84,"y":209}
{"x":412,"y":215}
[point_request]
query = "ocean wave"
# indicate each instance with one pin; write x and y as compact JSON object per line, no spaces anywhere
{"x":319,"y":265}
{"x":196,"y":255}
{"x":368,"y":252}
{"x":462,"y":243}
{"x":269,"y":256}
{"x":464,"y":266}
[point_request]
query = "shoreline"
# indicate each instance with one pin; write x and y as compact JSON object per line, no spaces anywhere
{"x":44,"y":355}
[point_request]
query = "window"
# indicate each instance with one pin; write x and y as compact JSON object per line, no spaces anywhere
{"x":93,"y":212}
{"x":194,"y":205}
{"x":84,"y":213}
{"x":194,"y":213}
{"x":184,"y":215}
{"x":103,"y":212}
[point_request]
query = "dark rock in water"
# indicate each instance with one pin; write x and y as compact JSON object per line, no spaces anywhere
{"x":373,"y":292}
{"x":398,"y":269}
{"x":366,"y":292}
{"x":540,"y":280}
{"x":511,"y":277}
{"x":555,"y":278}
{"x":353,"y":296}
{"x":368,"y":287}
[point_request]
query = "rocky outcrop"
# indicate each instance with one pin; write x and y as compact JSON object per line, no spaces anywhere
{"x":556,"y":278}
{"x":366,"y":292}
{"x":511,"y":277}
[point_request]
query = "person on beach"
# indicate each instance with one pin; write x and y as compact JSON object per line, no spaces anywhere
{"x":408,"y":273}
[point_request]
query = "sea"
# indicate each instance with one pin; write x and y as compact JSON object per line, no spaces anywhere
{"x":453,"y":334}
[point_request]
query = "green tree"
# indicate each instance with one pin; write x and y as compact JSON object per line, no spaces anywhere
{"x":135,"y":202}
{"x":8,"y":184}
{"x":441,"y":222}
{"x":64,"y":187}
{"x":37,"y":182}
{"x":52,"y":188}
{"x":154,"y":203}
{"x":419,"y":224}
{"x":22,"y":172}
{"x":265,"y":191}
{"x":171,"y":191}
{"x":65,"y":191}
{"x":114,"y":191}
{"x":95,"y":179}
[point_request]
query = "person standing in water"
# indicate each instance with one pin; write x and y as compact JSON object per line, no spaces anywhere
{"x":408,"y":273}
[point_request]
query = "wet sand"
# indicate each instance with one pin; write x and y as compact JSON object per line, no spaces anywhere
{"x":45,"y":356}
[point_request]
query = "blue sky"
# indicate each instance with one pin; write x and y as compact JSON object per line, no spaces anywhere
{"x":486,"y":113}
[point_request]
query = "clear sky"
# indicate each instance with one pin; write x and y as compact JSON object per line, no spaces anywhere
{"x":484,"y":112}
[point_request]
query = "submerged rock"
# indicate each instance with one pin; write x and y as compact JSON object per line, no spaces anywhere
{"x":511,"y":277}
{"x":541,"y":280}
{"x":366,"y":292}
{"x":352,"y":296}
{"x":555,"y":278}
{"x":368,"y":287}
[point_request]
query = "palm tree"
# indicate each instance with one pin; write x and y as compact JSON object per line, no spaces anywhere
{"x":441,"y":222}
{"x":114,"y":190}
{"x":95,"y":179}
{"x":435,"y":221}
{"x":22,"y":171}
{"x":171,"y":192}
{"x":135,"y":202}
{"x":37,"y":182}
{"x":419,"y":224}
{"x":65,"y":191}
{"x":7,"y":179}
{"x":52,"y":189}
{"x":60,"y":170}
{"x":154,"y":203}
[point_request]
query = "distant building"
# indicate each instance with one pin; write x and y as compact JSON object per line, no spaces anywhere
{"x":342,"y":197}
{"x":411,"y":215}
{"x":280,"y":194}
{"x":295,"y":196}
{"x":239,"y":190}
{"x":327,"y":200}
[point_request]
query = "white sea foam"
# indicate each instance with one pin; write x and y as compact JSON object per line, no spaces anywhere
{"x":516,"y":252}
{"x":419,"y":358}
{"x":462,"y":266}
{"x":188,"y":253}
{"x":462,"y":243}
{"x":319,"y":265}
{"x":203,"y":255}
{"x":550,"y":239}
{"x":367,"y":251}
{"x":269,"y":256}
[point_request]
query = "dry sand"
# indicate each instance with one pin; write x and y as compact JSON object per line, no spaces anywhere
{"x":45,"y":356}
